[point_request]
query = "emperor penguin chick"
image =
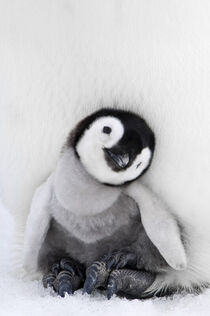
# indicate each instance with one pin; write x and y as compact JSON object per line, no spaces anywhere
{"x":91,"y":224}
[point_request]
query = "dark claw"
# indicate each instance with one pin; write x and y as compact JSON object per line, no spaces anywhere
{"x":129,"y":283}
{"x":63,"y":283}
{"x":66,"y":282}
{"x":96,"y":276}
{"x":67,"y":276}
{"x":65,"y":289}
{"x":89,"y":285}
{"x":121,"y":259}
{"x":72,"y":266}
{"x":113,"y":260}
{"x":68,"y":265}
{"x":56,"y":268}
{"x":48,"y":279}
{"x":111,"y":287}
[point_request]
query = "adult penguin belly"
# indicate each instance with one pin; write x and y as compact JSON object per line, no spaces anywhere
{"x":153,"y":60}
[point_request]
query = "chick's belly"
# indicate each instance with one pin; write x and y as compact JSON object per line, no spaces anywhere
{"x":60,"y":243}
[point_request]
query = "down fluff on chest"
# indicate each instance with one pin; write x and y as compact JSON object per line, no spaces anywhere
{"x":87,"y":238}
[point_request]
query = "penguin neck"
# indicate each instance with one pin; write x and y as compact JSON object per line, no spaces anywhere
{"x":77,"y":191}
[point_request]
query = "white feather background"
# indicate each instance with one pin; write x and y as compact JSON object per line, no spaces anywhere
{"x":62,"y":59}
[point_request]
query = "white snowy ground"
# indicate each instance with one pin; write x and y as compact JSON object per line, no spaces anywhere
{"x":18,"y":297}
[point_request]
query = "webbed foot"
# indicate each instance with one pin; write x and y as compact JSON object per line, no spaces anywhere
{"x":67,"y":276}
{"x":121,"y":259}
{"x":96,"y":276}
{"x":129,"y":283}
{"x":118,"y":275}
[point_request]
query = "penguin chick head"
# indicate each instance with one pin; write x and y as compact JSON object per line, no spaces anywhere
{"x":114,"y":146}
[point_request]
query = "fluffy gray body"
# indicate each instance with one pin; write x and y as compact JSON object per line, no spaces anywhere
{"x":131,"y":236}
{"x":91,"y":207}
{"x":111,"y":220}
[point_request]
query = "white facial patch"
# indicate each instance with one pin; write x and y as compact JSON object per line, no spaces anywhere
{"x":90,"y":146}
{"x":138,"y":166}
{"x":90,"y":149}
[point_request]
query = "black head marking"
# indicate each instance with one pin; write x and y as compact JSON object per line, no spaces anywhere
{"x":131,"y":120}
{"x":137,"y":135}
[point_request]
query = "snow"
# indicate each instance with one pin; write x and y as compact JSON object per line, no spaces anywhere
{"x":24,"y":297}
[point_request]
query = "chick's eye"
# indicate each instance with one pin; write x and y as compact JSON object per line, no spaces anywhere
{"x":107,"y":129}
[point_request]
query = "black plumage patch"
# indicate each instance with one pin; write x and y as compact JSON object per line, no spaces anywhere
{"x":135,"y":128}
{"x":137,"y":135}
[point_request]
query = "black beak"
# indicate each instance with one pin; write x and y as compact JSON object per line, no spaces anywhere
{"x":121,"y":160}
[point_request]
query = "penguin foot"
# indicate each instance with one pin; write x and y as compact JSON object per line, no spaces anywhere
{"x":96,"y":276}
{"x":129,"y":283}
{"x":117,"y":274}
{"x":67,"y":276}
{"x":66,"y":282}
{"x":121,"y":259}
{"x":98,"y":273}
